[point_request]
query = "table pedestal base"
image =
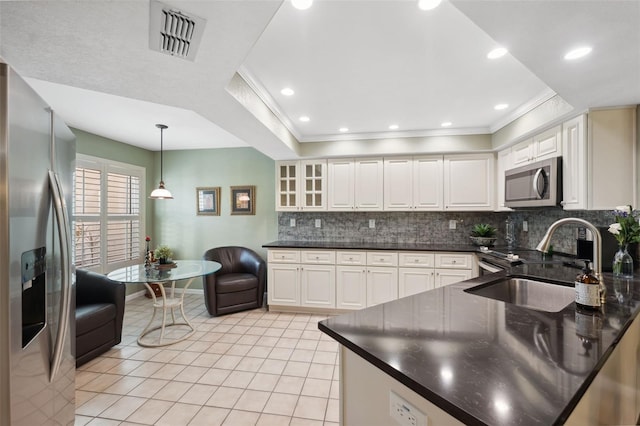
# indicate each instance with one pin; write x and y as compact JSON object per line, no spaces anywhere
{"x":166,"y":304}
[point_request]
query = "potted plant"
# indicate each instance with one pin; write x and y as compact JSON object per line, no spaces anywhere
{"x":163,"y":253}
{"x":483,"y":234}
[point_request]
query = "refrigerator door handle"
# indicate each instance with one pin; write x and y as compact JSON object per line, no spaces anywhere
{"x":62,"y":222}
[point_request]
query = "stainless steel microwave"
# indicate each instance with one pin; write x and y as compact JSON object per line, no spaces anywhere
{"x":534,"y":185}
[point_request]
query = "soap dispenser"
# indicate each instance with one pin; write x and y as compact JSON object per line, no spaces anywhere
{"x":587,"y":287}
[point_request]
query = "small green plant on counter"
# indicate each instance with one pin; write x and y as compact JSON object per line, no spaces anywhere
{"x":483,"y":230}
{"x":163,"y":253}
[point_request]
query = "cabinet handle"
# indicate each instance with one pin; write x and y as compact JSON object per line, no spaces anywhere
{"x":453,"y":261}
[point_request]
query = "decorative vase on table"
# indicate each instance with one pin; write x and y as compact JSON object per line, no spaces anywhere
{"x":623,"y":263}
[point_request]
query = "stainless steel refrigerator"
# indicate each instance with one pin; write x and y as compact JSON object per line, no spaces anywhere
{"x":37,"y":286}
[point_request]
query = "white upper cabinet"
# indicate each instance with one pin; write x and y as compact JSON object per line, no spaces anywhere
{"x":342,"y":184}
{"x":301,"y":185}
{"x":369,"y":184}
{"x":313,"y":191}
{"x":599,"y":160}
{"x":355,"y":184}
{"x":287,"y":173}
{"x":413,"y":183}
{"x":428,"y":175}
{"x":548,"y":144}
{"x":398,"y":183}
{"x":574,"y":164}
{"x":522,"y":153}
{"x":469,"y":182}
{"x":545,"y":145}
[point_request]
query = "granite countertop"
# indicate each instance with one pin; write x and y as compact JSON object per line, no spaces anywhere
{"x":355,"y":245}
{"x":489,"y":362}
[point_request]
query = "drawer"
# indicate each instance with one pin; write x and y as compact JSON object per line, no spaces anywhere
{"x":351,"y":258}
{"x":417,"y":259}
{"x":382,"y":258}
{"x":325,"y":257}
{"x":454,"y":261}
{"x":284,"y":256}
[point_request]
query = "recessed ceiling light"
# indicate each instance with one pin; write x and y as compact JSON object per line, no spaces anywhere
{"x":301,"y":4}
{"x":446,"y":124}
{"x":393,"y":127}
{"x":343,"y":129}
{"x":428,"y":4}
{"x":577,"y":53}
{"x":501,"y":106}
{"x":496,"y":53}
{"x":304,"y":118}
{"x":287,"y":91}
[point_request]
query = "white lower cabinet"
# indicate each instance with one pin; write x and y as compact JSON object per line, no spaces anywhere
{"x":451,"y":276}
{"x":382,"y":285}
{"x":351,"y":287}
{"x":352,"y":279}
{"x":414,"y":280}
{"x":318,"y":286}
{"x":415,"y":273}
{"x":284,"y":286}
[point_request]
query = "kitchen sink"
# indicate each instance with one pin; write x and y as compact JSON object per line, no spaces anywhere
{"x":532,"y":294}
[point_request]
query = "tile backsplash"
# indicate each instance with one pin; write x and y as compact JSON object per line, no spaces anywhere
{"x":432,"y":227}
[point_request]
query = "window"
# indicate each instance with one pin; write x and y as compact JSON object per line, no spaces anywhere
{"x":108,"y":214}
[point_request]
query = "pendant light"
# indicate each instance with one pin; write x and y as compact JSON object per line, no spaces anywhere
{"x":161,"y":193}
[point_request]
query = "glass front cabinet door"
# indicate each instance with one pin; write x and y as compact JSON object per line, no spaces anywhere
{"x":301,"y":185}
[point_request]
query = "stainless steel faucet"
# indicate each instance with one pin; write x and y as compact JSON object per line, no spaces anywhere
{"x":543,"y":246}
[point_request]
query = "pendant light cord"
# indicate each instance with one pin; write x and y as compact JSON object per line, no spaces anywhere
{"x":161,"y":150}
{"x":161,"y":127}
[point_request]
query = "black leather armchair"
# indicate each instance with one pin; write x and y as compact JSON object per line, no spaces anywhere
{"x":240,"y":283}
{"x":99,"y":314}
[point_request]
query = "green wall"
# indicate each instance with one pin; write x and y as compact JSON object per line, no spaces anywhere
{"x":190,"y":235}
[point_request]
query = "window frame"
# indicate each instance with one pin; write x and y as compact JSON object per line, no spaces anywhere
{"x":106,"y":166}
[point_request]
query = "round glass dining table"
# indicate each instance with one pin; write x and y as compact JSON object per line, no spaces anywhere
{"x":169,"y":301}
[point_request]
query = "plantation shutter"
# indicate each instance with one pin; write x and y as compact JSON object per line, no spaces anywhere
{"x":108,"y":214}
{"x":123,"y":227}
{"x":87,"y":247}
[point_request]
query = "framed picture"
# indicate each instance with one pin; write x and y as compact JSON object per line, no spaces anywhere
{"x":208,"y":201}
{"x":243,"y":200}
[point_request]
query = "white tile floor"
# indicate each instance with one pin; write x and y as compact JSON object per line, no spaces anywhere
{"x":248,"y":368}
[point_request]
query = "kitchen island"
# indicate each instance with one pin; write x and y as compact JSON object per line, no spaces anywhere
{"x":460,"y":357}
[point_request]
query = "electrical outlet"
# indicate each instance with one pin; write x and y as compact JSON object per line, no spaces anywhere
{"x":525,"y":226}
{"x":292,"y":222}
{"x":453,"y":223}
{"x":318,"y":223}
{"x":372,"y":223}
{"x":404,"y":413}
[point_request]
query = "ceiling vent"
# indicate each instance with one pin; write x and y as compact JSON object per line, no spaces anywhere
{"x":174,"y":32}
